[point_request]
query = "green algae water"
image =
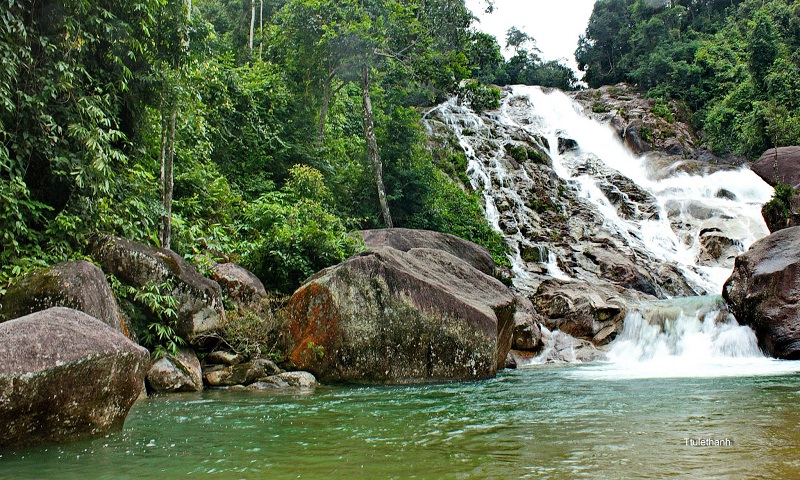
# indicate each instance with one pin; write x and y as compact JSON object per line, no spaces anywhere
{"x":536,"y":422}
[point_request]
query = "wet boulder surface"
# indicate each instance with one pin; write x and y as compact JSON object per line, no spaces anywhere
{"x":763,"y":292}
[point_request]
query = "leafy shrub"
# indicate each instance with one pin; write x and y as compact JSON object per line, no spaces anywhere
{"x":259,"y":332}
{"x":154,"y":313}
{"x":479,"y":96}
{"x":294,"y":232}
{"x":776,"y":212}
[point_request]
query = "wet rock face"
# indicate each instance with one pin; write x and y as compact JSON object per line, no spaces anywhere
{"x":593,"y":312}
{"x":405,"y":239}
{"x":79,"y":285}
{"x":64,"y":376}
{"x":781,"y":166}
{"x":764,"y":292}
{"x":200,"y":299}
{"x":387,"y":316}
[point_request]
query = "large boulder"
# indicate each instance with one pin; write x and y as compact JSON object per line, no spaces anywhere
{"x":387,"y":316}
{"x":176,"y":373}
{"x":65,"y":375}
{"x":764,"y":292}
{"x":238,"y":284}
{"x":782,"y":166}
{"x":199,"y":298}
{"x":79,"y":285}
{"x":405,"y":239}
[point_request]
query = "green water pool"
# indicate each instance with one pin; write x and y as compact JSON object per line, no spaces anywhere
{"x":538,"y":422}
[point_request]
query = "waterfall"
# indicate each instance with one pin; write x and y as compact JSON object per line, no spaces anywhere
{"x":694,"y":217}
{"x":573,"y":203}
{"x":684,"y":337}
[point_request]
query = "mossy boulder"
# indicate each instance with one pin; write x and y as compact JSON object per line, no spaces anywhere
{"x":391,"y":317}
{"x":79,"y":285}
{"x":64,"y":376}
{"x":238,"y":284}
{"x":200,"y":307}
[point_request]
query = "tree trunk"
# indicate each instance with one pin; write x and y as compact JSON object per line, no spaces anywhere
{"x":252,"y":22}
{"x":372,"y":147}
{"x":261,"y":30}
{"x":167,"y":168}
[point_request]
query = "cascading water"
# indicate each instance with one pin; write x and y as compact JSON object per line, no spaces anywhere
{"x":684,"y":337}
{"x":681,"y":221}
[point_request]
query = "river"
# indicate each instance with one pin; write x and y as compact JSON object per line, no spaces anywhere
{"x":546,"y":421}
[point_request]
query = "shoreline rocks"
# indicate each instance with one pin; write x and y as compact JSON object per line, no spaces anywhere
{"x":199,"y":298}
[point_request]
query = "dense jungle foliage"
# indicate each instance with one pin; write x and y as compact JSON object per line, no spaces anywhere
{"x":734,"y":63}
{"x":257,"y":104}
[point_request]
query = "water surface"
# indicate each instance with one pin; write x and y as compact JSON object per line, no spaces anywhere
{"x":538,"y":422}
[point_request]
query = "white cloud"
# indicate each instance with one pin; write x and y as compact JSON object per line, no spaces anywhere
{"x":555,"y":24}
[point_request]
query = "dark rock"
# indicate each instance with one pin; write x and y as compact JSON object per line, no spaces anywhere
{"x":527,"y":335}
{"x":631,"y":200}
{"x":633,"y":138}
{"x":241,"y":374}
{"x":717,"y":249}
{"x":566,"y":145}
{"x":65,"y":375}
{"x":386,"y":316}
{"x":511,"y":361}
{"x":238,"y":284}
{"x":764,"y":292}
{"x":404,"y":239}
{"x":176,"y":373}
{"x":199,"y":298}
{"x":78,"y":285}
{"x":787,"y":163}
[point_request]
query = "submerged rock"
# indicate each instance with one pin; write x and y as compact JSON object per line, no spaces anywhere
{"x":176,"y":373}
{"x":65,"y":375}
{"x":200,"y":306}
{"x":764,"y":292}
{"x":78,"y":285}
{"x":387,"y":316}
{"x":405,"y":239}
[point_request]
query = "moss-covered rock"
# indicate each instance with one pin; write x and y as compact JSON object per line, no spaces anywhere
{"x":200,"y":307}
{"x":79,"y":285}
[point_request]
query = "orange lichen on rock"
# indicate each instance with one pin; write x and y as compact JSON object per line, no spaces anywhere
{"x":314,"y":320}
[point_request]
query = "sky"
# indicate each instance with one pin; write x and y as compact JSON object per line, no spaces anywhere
{"x":555,"y":24}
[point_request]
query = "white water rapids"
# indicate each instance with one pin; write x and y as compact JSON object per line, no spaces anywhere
{"x":693,"y":337}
